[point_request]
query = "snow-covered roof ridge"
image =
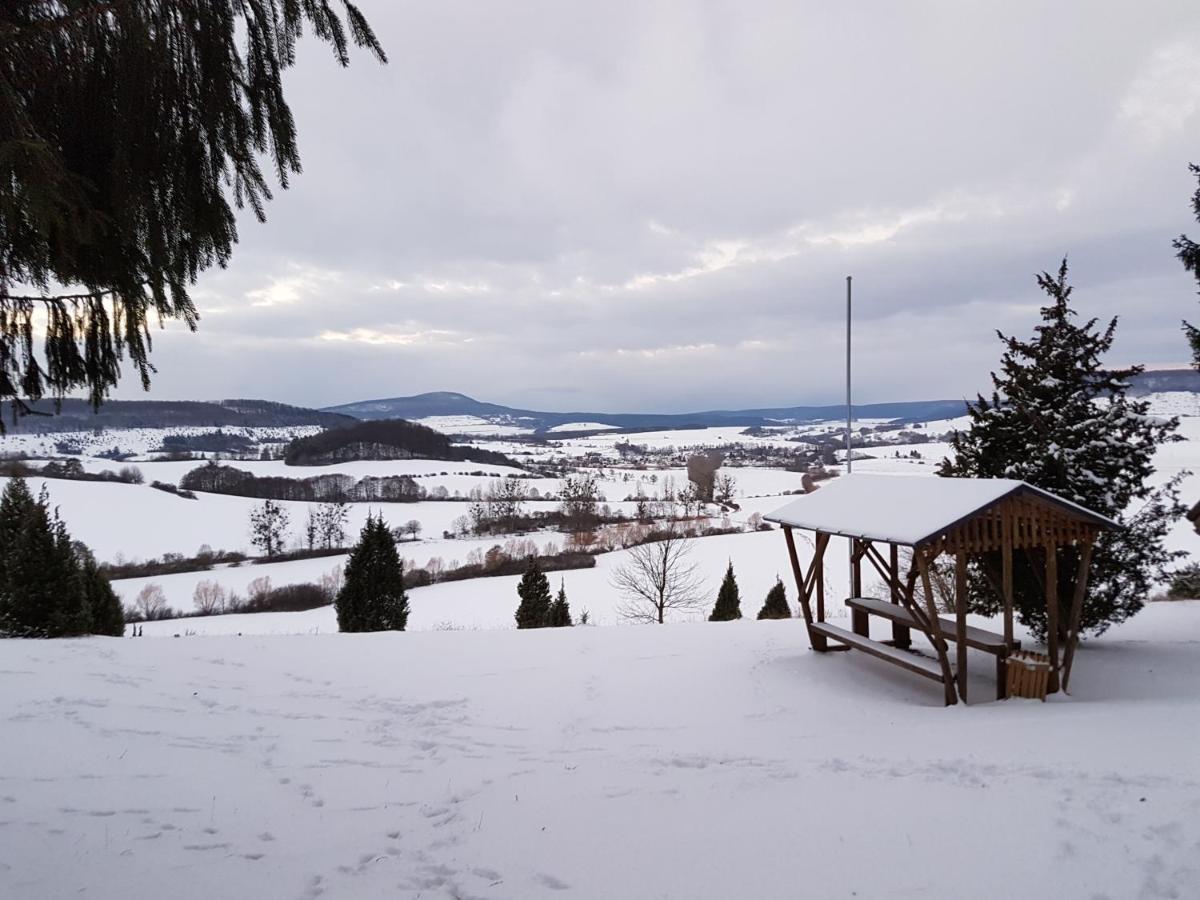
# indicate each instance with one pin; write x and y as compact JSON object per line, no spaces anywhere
{"x":908,"y":509}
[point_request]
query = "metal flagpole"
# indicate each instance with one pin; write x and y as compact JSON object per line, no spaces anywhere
{"x":849,"y":454}
{"x":849,"y":461}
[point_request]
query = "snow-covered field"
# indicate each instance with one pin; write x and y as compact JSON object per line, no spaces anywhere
{"x":484,"y":603}
{"x":268,"y":756}
{"x":133,"y":522}
{"x":692,"y":761}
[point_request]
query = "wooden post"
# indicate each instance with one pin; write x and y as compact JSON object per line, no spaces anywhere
{"x":1081,"y":580}
{"x":901,"y":635}
{"x":856,"y":552}
{"x":819,"y":579}
{"x":935,"y":628}
{"x":1006,"y":565}
{"x":859,"y":620}
{"x":1052,"y":615}
{"x":817,"y":641}
{"x":960,"y":619}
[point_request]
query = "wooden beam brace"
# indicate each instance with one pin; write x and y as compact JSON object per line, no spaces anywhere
{"x":960,"y":620}
{"x":1081,"y":580}
{"x":935,"y":628}
{"x":804,"y":582}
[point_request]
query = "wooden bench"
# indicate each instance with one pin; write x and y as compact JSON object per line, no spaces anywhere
{"x":978,"y":638}
{"x":921,"y":665}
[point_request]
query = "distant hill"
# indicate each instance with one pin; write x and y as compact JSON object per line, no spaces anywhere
{"x":1163,"y":380}
{"x":77,"y":415}
{"x":450,"y":404}
{"x":383,"y":439}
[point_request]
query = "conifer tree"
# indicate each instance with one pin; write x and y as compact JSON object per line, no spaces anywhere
{"x":729,"y":601}
{"x":1062,"y":422}
{"x":776,"y":605}
{"x":128,"y":134}
{"x":560,"y":610}
{"x":41,"y":586}
{"x":372,"y":597}
{"x":1188,"y":252}
{"x":104,"y":606}
{"x":534,"y":591}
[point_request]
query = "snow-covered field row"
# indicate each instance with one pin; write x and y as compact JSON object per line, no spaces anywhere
{"x":696,"y":761}
{"x":138,"y":441}
{"x":484,"y":603}
{"x":136,"y":522}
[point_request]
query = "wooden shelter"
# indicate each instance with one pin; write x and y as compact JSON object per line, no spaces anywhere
{"x":880,"y":514}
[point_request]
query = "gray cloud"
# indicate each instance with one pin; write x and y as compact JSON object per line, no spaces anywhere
{"x":653,"y":206}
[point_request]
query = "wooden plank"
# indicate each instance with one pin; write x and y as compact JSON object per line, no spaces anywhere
{"x":978,"y":638}
{"x":920,"y":665}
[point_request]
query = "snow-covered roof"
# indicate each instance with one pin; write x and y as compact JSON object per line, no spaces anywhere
{"x":907,"y":509}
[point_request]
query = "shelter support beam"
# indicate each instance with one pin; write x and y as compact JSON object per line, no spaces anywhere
{"x":960,"y":620}
{"x":1052,"y":615}
{"x":1081,"y":580}
{"x":901,"y":634}
{"x":935,"y":629}
{"x":806,"y":582}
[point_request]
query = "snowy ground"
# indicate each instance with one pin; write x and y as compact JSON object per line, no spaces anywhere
{"x":693,"y":761}
{"x":465,"y":759}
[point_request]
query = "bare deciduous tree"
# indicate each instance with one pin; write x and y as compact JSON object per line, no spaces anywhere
{"x":656,"y":578}
{"x":151,"y":603}
{"x":331,"y":582}
{"x":209,"y":598}
{"x":268,"y":527}
{"x":259,"y":587}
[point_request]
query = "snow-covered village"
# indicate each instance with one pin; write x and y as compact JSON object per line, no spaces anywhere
{"x":685,"y":450}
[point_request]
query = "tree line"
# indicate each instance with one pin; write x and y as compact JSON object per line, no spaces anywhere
{"x":214,"y":478}
{"x":383,"y":439}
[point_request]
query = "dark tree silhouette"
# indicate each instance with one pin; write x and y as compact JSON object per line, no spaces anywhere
{"x":129,"y":131}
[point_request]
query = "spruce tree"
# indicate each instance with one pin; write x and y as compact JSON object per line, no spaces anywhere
{"x":729,"y":601}
{"x":41,"y":586}
{"x":129,"y":132}
{"x":1188,"y":252}
{"x":372,"y":597}
{"x":534,"y":591}
{"x":776,"y":605}
{"x":560,"y":610}
{"x":104,"y":606}
{"x":1062,"y":422}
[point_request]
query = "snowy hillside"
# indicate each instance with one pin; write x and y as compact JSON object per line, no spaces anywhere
{"x":694,"y":761}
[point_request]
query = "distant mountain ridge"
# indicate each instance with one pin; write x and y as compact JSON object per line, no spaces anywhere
{"x":449,"y":403}
{"x":445,"y":403}
{"x":78,"y":415}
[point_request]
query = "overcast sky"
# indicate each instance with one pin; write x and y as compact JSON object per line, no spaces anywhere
{"x":653,"y":206}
